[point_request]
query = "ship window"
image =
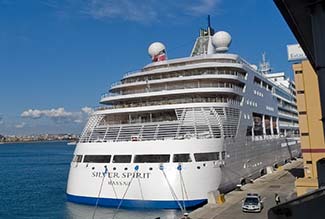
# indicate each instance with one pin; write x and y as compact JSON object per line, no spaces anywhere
{"x":249,"y":131}
{"x":206,"y":156}
{"x":77,"y":158}
{"x":97,"y":158}
{"x":258,"y":127}
{"x":223,"y":155}
{"x":122,"y":159}
{"x":275,"y":131}
{"x":152,"y":158}
{"x":182,"y":158}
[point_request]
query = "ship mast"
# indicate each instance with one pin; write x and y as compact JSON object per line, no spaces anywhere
{"x":210,"y":29}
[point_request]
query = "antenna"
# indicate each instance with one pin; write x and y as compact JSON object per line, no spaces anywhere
{"x":263,"y":57}
{"x":265,"y":66}
{"x":210,"y":29}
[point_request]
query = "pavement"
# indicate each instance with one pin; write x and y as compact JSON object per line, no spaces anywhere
{"x":281,"y":181}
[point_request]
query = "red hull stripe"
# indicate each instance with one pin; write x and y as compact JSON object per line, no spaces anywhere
{"x":313,"y":150}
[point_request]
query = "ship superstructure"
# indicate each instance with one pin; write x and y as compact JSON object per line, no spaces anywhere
{"x":177,"y":129}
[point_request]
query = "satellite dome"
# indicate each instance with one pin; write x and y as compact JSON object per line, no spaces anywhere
{"x":221,"y":40}
{"x":156,"y":48}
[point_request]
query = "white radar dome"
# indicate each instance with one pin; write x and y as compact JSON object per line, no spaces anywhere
{"x":221,"y":40}
{"x":156,"y":48}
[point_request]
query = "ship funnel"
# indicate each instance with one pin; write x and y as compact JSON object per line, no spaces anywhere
{"x":157,"y":51}
{"x":221,"y":41}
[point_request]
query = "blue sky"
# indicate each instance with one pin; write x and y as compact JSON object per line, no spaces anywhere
{"x":58,"y":56}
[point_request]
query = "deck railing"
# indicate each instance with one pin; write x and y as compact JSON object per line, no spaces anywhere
{"x":205,"y":122}
{"x":230,"y":100}
{"x":177,"y":74}
{"x":178,"y":87}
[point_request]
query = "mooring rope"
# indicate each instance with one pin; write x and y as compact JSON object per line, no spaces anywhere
{"x":127,"y":188}
{"x":100,"y":191}
{"x":141,"y":192}
{"x":111,"y":182}
{"x":183,"y":187}
{"x":171,"y":189}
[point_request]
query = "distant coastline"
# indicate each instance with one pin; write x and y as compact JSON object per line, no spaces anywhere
{"x":34,"y":142}
{"x":39,"y":138}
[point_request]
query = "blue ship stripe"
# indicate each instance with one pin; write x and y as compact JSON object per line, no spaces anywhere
{"x":129,"y":203}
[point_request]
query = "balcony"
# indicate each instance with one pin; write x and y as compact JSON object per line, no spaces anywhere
{"x":179,"y":75}
{"x":174,"y":90}
{"x":172,"y":101}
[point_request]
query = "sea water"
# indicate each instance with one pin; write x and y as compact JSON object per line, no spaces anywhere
{"x":33,"y":178}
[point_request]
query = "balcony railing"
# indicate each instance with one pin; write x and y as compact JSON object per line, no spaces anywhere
{"x":199,"y":122}
{"x":186,"y":100}
{"x":177,"y":74}
{"x":177,"y":87}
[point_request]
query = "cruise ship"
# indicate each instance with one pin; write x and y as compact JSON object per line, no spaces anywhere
{"x":169,"y":134}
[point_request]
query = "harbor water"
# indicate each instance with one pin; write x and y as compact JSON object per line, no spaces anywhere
{"x":33,"y":183}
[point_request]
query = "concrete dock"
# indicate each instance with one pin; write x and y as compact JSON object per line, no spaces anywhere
{"x":281,"y":181}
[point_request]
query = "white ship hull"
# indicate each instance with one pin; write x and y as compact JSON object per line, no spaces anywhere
{"x":168,"y":185}
{"x":153,"y":184}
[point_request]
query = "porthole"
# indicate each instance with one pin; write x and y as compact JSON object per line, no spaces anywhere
{"x":198,"y":167}
{"x":125,"y":168}
{"x":114,"y":168}
{"x":93,"y":168}
{"x":150,"y":168}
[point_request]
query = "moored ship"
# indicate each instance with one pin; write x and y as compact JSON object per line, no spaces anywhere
{"x":178,"y":129}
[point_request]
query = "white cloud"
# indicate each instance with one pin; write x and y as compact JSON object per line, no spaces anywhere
{"x":203,"y":7}
{"x":50,"y":3}
{"x":58,"y":115}
{"x":87,"y":110}
{"x":52,"y":113}
{"x":140,"y":11}
{"x":21,"y":125}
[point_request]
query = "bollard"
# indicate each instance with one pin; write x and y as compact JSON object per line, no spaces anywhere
{"x":212,"y":197}
{"x":269,"y":170}
{"x":221,"y":199}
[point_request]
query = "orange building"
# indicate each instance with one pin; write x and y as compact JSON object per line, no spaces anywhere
{"x":311,"y":128}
